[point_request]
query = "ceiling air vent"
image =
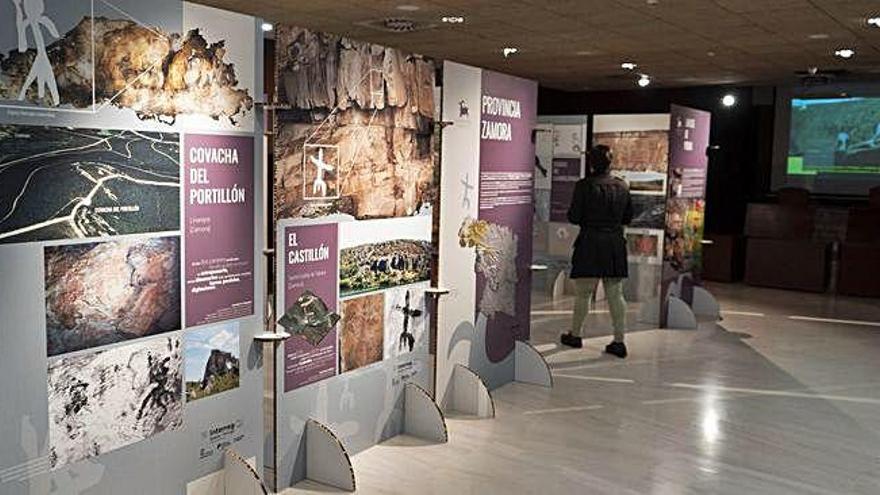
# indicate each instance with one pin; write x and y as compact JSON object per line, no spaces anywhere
{"x":397,"y":25}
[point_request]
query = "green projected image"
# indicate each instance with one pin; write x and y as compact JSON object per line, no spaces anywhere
{"x":834,"y":136}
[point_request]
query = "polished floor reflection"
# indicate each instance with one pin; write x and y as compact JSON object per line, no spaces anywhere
{"x":778,"y":398}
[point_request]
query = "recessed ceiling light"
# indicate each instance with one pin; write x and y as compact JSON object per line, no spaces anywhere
{"x":819,"y":36}
{"x":874,"y":21}
{"x":452,"y":19}
{"x":728,"y":100}
{"x":628,"y":65}
{"x":644,"y":80}
{"x":267,"y":26}
{"x":845,"y":53}
{"x":408,"y":8}
{"x":509,"y":50}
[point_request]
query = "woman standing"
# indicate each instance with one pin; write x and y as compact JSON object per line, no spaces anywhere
{"x":601,"y":207}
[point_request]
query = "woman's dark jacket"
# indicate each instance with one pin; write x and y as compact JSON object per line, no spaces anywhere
{"x":601,"y":206}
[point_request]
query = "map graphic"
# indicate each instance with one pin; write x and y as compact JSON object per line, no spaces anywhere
{"x":496,"y":247}
{"x":64,"y":183}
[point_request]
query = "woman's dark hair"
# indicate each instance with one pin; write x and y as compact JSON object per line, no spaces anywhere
{"x":599,"y":159}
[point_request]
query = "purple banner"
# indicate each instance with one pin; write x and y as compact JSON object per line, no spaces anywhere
{"x":507,"y":160}
{"x":685,"y":206}
{"x":310,"y":264}
{"x":219,"y":227}
{"x":688,"y":142}
{"x":566,"y":173}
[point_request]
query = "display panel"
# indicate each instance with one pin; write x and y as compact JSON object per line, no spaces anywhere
{"x":65,"y":183}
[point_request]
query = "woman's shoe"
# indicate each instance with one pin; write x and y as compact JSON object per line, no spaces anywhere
{"x":571,"y":341}
{"x":617,"y":349}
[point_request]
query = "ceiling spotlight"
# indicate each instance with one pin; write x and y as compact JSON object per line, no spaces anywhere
{"x":628,"y":65}
{"x":644,"y":80}
{"x":408,"y":8}
{"x":874,"y":21}
{"x":509,"y":50}
{"x":267,"y":26}
{"x":845,"y":53}
{"x":728,"y":100}
{"x":452,"y":19}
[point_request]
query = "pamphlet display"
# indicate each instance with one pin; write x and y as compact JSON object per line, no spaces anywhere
{"x":127,"y":244}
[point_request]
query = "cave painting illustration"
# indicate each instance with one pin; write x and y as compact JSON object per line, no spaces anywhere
{"x":31,"y":14}
{"x":407,"y":340}
{"x":102,"y":401}
{"x":157,"y":74}
{"x":466,"y":192}
{"x":321,"y":168}
{"x":371,"y":109}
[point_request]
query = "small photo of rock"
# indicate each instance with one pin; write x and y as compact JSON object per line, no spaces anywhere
{"x":362,"y":335}
{"x":107,"y":292}
{"x":212,"y":360}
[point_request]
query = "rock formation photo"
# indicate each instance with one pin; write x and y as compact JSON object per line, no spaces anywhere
{"x":361,"y":339}
{"x":213,"y":358}
{"x":106,"y":292}
{"x":360,"y":120}
{"x":156,"y":74}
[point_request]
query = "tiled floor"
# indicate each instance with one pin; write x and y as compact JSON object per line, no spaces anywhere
{"x":759,"y":403}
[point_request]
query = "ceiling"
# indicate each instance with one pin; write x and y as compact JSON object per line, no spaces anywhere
{"x":580,"y":44}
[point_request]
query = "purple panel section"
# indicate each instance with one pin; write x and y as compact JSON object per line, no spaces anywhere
{"x":507,"y":160}
{"x":219,"y":227}
{"x":685,"y":207}
{"x":305,"y":268}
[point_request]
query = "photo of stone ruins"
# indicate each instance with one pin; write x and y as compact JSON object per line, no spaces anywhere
{"x":375,"y":105}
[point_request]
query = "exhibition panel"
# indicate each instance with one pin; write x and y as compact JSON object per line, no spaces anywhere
{"x":685,"y":204}
{"x":640,"y":143}
{"x":354,"y":193}
{"x":127,"y":246}
{"x":488,"y":161}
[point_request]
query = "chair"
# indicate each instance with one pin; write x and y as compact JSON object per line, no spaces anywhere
{"x":794,"y":197}
{"x":780,"y":250}
{"x":874,"y":197}
{"x":859,"y":273}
